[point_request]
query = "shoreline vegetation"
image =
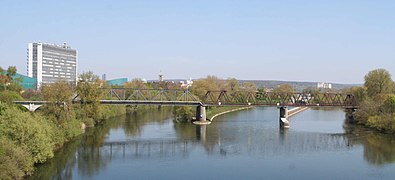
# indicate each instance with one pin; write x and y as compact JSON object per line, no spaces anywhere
{"x":376,"y":101}
{"x":29,"y":139}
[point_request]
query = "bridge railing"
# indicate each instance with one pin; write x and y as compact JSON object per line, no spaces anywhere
{"x":242,"y":98}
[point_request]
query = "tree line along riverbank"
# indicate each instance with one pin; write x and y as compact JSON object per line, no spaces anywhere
{"x":28,"y":139}
{"x":376,"y":100}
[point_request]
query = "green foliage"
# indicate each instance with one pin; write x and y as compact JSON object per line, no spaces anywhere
{"x":359,"y":93}
{"x":183,"y":113}
{"x":90,"y":92}
{"x":136,"y":84}
{"x":15,"y":162}
{"x":376,"y":103}
{"x":382,"y":123}
{"x":9,"y":96}
{"x":389,"y":105}
{"x":60,"y":94}
{"x":378,"y":82}
{"x":111,"y":111}
{"x":366,"y":109}
{"x":71,"y":128}
{"x":249,"y":86}
{"x":6,"y":77}
{"x":31,"y":133}
{"x":210,"y":83}
{"x":284,"y":88}
{"x":232,"y":84}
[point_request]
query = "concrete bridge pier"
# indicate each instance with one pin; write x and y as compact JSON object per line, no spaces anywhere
{"x":284,"y":123}
{"x":201,"y":116}
{"x":31,"y":107}
{"x":201,"y":113}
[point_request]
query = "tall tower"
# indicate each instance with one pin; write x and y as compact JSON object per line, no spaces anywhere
{"x":49,"y":63}
{"x":160,"y":76}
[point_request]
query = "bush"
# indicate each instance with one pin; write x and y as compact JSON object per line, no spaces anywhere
{"x":382,"y":123}
{"x":71,"y":128}
{"x":389,"y":105}
{"x":28,"y":132}
{"x":15,"y":162}
{"x":183,"y":113}
{"x":9,"y":96}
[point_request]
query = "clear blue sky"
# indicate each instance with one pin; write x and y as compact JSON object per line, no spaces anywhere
{"x":317,"y":40}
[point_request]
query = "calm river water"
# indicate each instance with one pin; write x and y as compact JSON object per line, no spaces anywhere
{"x":240,"y":145}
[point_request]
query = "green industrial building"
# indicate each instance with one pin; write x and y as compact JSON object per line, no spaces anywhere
{"x":117,"y":82}
{"x":31,"y":83}
{"x":26,"y":82}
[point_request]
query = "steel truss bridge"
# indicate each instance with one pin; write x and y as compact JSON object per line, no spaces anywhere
{"x":176,"y":97}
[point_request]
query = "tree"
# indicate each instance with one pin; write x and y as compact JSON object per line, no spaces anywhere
{"x":389,"y":105}
{"x":233,"y":84}
{"x":136,"y":84}
{"x":6,"y":76}
{"x":284,"y":88}
{"x":249,"y":86}
{"x":210,"y":83}
{"x":378,"y":82}
{"x":90,"y":93}
{"x":359,"y":93}
{"x":183,"y":113}
{"x":60,"y":95}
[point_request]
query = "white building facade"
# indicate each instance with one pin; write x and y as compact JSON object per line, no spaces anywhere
{"x":50,"y":63}
{"x":324,"y":85}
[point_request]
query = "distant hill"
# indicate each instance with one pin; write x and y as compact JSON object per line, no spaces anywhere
{"x":298,"y":86}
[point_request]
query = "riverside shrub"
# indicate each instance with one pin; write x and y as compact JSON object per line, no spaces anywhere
{"x":31,"y":133}
{"x":15,"y":162}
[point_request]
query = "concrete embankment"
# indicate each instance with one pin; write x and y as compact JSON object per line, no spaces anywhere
{"x":296,"y":110}
{"x":291,"y":112}
{"x":229,"y":111}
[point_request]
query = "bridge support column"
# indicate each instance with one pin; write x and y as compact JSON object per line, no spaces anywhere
{"x":201,"y":116}
{"x":201,"y":113}
{"x":284,"y":123}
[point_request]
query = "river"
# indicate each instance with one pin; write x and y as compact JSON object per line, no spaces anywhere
{"x":240,"y":145}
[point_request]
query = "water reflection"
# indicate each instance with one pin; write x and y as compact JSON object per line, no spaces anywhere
{"x":379,"y":149}
{"x":128,"y":139}
{"x":136,"y":149}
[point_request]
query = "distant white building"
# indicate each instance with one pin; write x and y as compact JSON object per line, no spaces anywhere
{"x":186,"y":84}
{"x":324,"y":85}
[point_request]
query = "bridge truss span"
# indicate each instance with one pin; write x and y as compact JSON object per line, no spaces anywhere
{"x":149,"y":94}
{"x":257,"y":98}
{"x":177,"y":97}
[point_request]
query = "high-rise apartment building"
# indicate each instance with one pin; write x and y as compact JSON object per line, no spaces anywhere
{"x":50,"y":63}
